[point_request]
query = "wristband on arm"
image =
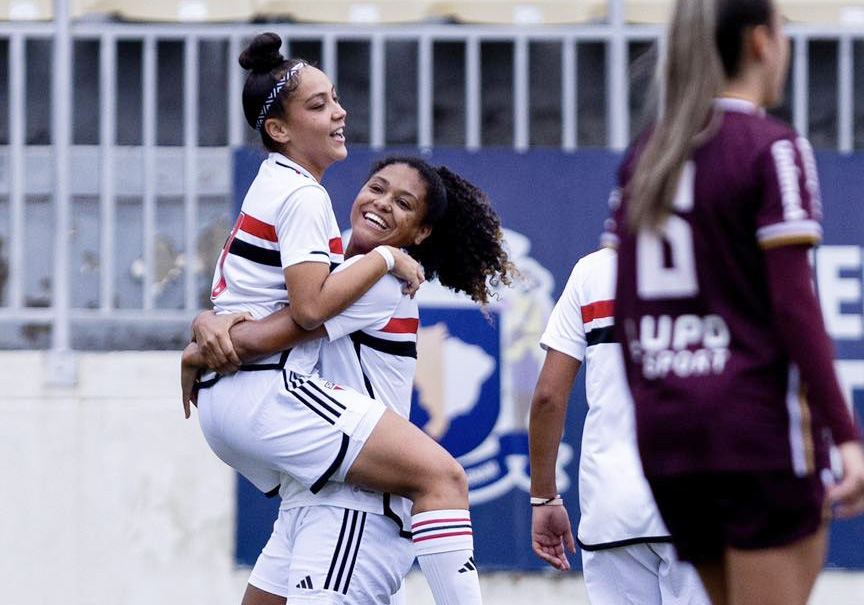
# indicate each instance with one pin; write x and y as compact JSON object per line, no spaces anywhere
{"x":384,"y":251}
{"x":557,"y":500}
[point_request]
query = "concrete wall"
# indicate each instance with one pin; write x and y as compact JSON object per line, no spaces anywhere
{"x":108,"y":496}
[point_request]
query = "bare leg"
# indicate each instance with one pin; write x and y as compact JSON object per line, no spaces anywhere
{"x":792,"y":570}
{"x":400,"y":458}
{"x":713,"y":576}
{"x":256,"y":596}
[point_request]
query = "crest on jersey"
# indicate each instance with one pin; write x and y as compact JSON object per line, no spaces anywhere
{"x":476,"y":375}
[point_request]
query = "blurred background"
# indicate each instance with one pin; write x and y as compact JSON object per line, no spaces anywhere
{"x":124,"y":156}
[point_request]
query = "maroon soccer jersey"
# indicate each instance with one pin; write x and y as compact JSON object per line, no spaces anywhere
{"x":713,"y":383}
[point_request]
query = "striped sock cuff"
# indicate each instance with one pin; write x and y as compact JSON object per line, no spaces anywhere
{"x":441,"y":531}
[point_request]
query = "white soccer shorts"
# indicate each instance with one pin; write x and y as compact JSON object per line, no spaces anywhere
{"x":641,"y":574}
{"x":269,"y":421}
{"x":327,"y":555}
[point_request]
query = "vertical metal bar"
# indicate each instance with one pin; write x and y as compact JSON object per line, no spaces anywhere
{"x":330,"y":59}
{"x":61,"y":81}
{"x":377,"y":93}
{"x":521,"y":99}
{"x":149,"y":150}
{"x":845,"y":97}
{"x":425,"y":92}
{"x":236,"y":119}
{"x":801,"y":86}
{"x":569,"y":73}
{"x":17,"y":118}
{"x":616,"y":69}
{"x":472,"y":93}
{"x":190,"y":172}
{"x":107,"y":142}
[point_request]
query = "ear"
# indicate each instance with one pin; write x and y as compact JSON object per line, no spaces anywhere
{"x":422,"y":234}
{"x":278,"y":130}
{"x":759,"y":42}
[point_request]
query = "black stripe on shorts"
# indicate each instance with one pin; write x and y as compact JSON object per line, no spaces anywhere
{"x":300,"y":394}
{"x":350,"y":536}
{"x":337,"y":462}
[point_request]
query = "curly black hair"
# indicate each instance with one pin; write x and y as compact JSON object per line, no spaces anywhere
{"x":266,"y":67}
{"x":465,"y":248}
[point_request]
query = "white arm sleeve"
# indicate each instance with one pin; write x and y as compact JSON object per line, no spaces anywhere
{"x":303,"y":226}
{"x":565,"y":331}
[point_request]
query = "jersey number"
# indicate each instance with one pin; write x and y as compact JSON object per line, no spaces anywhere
{"x":221,"y":284}
{"x":665,"y":263}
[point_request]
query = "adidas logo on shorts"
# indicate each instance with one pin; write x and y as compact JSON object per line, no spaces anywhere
{"x":469,"y":566}
{"x":305,"y":583}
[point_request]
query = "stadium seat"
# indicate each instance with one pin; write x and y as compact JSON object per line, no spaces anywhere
{"x":521,"y":12}
{"x":182,"y":11}
{"x":842,"y":12}
{"x":345,"y":11}
{"x":26,"y":10}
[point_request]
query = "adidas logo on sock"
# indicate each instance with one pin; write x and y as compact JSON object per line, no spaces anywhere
{"x":305,"y":583}
{"x":469,"y":565}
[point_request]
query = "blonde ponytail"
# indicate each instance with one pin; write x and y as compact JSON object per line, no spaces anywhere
{"x":692,"y":77}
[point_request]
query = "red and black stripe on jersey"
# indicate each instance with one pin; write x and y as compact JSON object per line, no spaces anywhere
{"x":401,"y":326}
{"x":263,"y":245}
{"x":598,"y":319}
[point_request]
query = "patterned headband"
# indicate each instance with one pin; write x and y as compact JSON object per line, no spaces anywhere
{"x":274,"y":94}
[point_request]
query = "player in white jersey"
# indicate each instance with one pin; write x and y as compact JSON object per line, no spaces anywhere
{"x":626,"y":554}
{"x":277,"y":417}
{"x":353,"y":541}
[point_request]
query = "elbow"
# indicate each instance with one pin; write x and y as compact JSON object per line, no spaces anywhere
{"x":306,"y":317}
{"x":545,"y":402}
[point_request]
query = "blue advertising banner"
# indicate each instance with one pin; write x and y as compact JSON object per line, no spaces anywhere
{"x":475,"y":402}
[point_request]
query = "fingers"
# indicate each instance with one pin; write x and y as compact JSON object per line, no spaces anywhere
{"x":412,"y":284}
{"x":554,"y":556}
{"x":847,"y":497}
{"x":215,"y":350}
{"x":227,"y":348}
{"x":187,"y":410}
{"x":570,"y":542}
{"x":408,"y":270}
{"x":236,"y":318}
{"x":212,"y":333}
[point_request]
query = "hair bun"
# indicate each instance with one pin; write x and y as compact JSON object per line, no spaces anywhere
{"x":262,"y":54}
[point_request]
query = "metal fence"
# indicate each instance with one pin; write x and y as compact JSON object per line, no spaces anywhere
{"x":70,"y":200}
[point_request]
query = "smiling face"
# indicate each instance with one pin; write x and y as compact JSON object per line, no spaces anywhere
{"x":389,"y":209}
{"x":313,"y":130}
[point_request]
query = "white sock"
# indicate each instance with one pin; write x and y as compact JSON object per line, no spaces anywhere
{"x":445,"y":550}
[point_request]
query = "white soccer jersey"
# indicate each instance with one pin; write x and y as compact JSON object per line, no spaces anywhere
{"x":614,"y":497}
{"x":286,"y":218}
{"x":371,"y":348}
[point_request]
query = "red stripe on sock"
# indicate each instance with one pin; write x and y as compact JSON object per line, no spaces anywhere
{"x":461,"y":533}
{"x":465,"y":520}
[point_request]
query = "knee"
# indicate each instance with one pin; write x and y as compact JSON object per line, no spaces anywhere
{"x":451,"y":477}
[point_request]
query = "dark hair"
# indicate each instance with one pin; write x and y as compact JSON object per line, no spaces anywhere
{"x":465,"y":248}
{"x":734,"y":18}
{"x":705,"y":42}
{"x":266,"y":67}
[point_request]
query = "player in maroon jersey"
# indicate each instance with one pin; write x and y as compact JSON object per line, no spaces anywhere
{"x":737,"y":401}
